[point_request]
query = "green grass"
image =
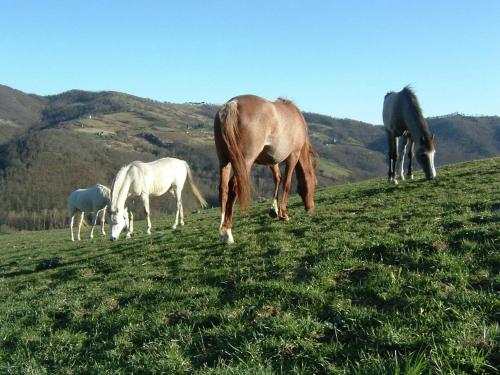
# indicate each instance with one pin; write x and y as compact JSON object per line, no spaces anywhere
{"x":380,"y":279}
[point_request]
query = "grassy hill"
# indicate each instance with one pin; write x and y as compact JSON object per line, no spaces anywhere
{"x":379,"y":279}
{"x":50,"y":146}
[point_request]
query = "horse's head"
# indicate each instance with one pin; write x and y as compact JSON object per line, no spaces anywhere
{"x":118,"y":219}
{"x":425,"y":156}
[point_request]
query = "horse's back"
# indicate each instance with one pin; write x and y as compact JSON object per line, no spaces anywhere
{"x":259,"y":112}
{"x":392,"y":114}
{"x":268,"y":131}
{"x":389,"y":108}
{"x":85,"y":199}
{"x":161,"y":174}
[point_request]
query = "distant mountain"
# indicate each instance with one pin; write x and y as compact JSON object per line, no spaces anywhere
{"x":18,"y":112}
{"x":52,"y":145}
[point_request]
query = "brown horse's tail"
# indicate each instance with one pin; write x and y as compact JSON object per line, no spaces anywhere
{"x":228,"y":116}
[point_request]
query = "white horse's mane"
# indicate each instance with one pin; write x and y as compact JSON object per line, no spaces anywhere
{"x":117,"y":185}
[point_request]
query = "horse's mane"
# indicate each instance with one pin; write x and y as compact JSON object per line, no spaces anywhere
{"x":313,"y":155}
{"x":409,"y":94}
{"x":286,"y":101}
{"x":291,"y":104}
{"x":118,"y":182}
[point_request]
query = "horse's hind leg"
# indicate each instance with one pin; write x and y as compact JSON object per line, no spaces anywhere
{"x":224,"y":175}
{"x":145,"y":201}
{"x":71,"y":219}
{"x":273,"y":212}
{"x":393,"y":156}
{"x":290,"y":166}
{"x":179,"y":215}
{"x":226,"y":233}
{"x":80,"y":225}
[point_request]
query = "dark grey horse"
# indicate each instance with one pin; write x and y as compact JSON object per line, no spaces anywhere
{"x":403,"y":118}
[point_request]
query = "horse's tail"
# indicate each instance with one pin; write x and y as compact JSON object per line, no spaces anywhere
{"x":195,"y":189}
{"x":228,"y":116}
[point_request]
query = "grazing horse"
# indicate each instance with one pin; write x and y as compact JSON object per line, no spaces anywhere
{"x":403,"y":118}
{"x":139,"y":179}
{"x":249,"y":129}
{"x":94,"y":199}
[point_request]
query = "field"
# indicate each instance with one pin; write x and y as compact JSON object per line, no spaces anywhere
{"x":379,"y":279}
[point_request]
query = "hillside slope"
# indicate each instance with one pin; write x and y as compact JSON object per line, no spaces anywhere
{"x":77,"y":138}
{"x":379,"y":279}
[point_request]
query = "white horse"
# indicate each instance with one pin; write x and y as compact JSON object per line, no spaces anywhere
{"x":403,"y":118}
{"x":95,"y":199}
{"x":139,"y":179}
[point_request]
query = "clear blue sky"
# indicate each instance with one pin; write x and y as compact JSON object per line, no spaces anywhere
{"x":333,"y":57}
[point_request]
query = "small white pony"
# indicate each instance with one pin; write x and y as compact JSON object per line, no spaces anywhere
{"x":139,"y":179}
{"x":95,"y":199}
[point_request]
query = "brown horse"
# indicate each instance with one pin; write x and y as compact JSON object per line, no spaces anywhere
{"x":249,"y":129}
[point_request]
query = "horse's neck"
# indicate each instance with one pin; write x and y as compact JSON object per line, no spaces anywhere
{"x":118,"y":200}
{"x":418,"y":128}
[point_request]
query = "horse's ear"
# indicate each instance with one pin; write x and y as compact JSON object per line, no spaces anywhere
{"x":432,"y":136}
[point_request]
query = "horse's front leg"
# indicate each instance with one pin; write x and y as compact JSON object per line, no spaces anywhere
{"x":130,"y":222}
{"x":401,"y":160}
{"x":290,"y":166}
{"x":103,"y":219}
{"x":410,"y":159}
{"x":94,"y":221}
{"x":273,"y":212}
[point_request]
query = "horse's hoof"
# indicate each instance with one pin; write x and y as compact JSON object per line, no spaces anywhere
{"x":284,"y":218}
{"x":395,"y":182}
{"x":410,"y":176}
{"x":273,"y":213}
{"x":402,"y":178}
{"x":128,"y":235}
{"x":227,"y":237}
{"x":174,"y":227}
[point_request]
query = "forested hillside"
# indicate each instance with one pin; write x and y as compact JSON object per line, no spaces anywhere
{"x":52,"y":145}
